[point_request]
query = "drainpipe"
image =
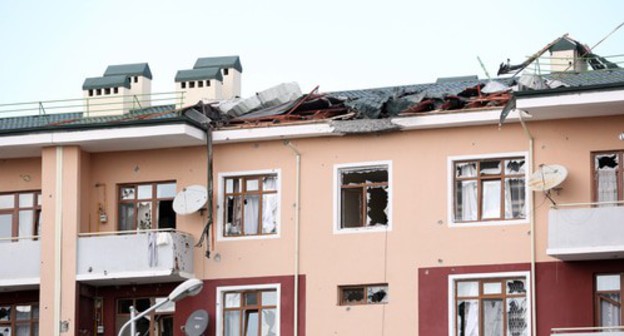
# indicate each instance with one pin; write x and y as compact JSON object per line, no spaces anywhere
{"x":58,"y":239}
{"x":297,"y":227}
{"x":532,"y":223}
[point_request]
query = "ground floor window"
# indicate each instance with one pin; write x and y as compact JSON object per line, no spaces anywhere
{"x":496,"y":306}
{"x":19,"y":319}
{"x":608,"y":300}
{"x":158,"y":323}
{"x":248,"y":311}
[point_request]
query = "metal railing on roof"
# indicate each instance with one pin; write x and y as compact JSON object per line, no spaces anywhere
{"x":543,"y":66}
{"x":95,"y":106}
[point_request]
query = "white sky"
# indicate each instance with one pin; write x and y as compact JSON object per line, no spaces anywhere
{"x":48,"y":48}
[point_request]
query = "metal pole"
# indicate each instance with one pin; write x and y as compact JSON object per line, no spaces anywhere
{"x":132,"y":318}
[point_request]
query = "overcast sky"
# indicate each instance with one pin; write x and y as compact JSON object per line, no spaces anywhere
{"x":48,"y":48}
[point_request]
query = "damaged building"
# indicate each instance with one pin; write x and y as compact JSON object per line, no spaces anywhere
{"x":466,"y":206}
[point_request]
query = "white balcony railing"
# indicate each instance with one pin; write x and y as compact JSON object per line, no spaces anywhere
{"x":586,"y":231}
{"x":21,"y":262}
{"x":589,"y":331}
{"x":134,"y":257}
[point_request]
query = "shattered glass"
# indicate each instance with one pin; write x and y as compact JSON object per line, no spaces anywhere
{"x":517,"y":317}
{"x":353,"y":295}
{"x":377,"y":294}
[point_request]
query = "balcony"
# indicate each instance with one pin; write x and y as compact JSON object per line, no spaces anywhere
{"x":21,"y":261}
{"x":590,"y":331}
{"x":131,"y":257}
{"x":587,"y":231}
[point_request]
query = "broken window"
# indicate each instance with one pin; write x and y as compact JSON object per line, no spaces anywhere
{"x":250,"y":313}
{"x":495,"y":307}
{"x":608,"y":293}
{"x":147,"y":206}
{"x":492,"y":189}
{"x":20,"y":215}
{"x":157,"y":323}
{"x":363,"y":200}
{"x":19,"y":319}
{"x":607,"y":177}
{"x":362,"y":294}
{"x":250,"y":205}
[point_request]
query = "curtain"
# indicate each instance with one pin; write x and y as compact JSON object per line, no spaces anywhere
{"x":606,"y":179}
{"x":269,"y":206}
{"x":491,"y":199}
{"x":514,"y":198}
{"x":231,"y":325}
{"x":493,"y":317}
{"x":468,"y":318}
{"x":466,"y":207}
{"x":609,"y":312}
{"x":251,"y":214}
{"x":268,"y":322}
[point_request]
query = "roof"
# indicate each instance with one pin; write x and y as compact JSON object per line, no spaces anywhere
{"x":222,"y":62}
{"x":106,"y":82}
{"x":199,"y":74}
{"x":138,"y":69}
{"x":163,"y":113}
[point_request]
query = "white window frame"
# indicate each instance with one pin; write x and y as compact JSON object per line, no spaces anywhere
{"x":221,"y":203}
{"x":337,"y":204}
{"x":450,"y":183}
{"x":452,"y":280}
{"x":223,"y":289}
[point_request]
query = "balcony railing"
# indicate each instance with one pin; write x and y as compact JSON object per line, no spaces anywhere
{"x":586,"y":231}
{"x":589,"y":331}
{"x":134,"y":257}
{"x":21,"y":262}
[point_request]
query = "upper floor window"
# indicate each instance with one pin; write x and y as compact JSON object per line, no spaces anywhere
{"x":609,"y":292}
{"x":250,"y":205}
{"x":147,"y":206}
{"x":249,"y":312}
{"x":19,"y":319}
{"x":362,"y":294}
{"x":363,"y":196}
{"x":607,"y":176}
{"x":157,"y":323}
{"x":20,"y":214}
{"x":489,"y":189}
{"x":226,"y":72}
{"x":490,"y":306}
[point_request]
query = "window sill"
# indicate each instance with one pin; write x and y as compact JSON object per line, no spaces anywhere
{"x":368,"y":229}
{"x":238,"y":238}
{"x":489,"y":223}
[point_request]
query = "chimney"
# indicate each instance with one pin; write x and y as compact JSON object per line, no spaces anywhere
{"x":122,"y":88}
{"x":231,"y":70}
{"x":566,"y":55}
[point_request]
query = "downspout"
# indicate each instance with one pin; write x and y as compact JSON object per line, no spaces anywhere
{"x":297,"y":227}
{"x":58,"y":239}
{"x":532,"y":223}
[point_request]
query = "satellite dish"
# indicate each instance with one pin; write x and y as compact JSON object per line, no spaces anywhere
{"x":190,"y":199}
{"x":547,"y":177}
{"x":197,"y":323}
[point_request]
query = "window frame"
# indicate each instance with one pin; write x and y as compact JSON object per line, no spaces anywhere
{"x":452,"y":160}
{"x":220,"y":304}
{"x":484,"y":277}
{"x":619,"y":173}
{"x":14,"y":212}
{"x":13,"y":322}
{"x":364,"y":287}
{"x":337,"y":188}
{"x":152,"y":315}
{"x":596,"y":307}
{"x":154,"y":202}
{"x":221,"y":204}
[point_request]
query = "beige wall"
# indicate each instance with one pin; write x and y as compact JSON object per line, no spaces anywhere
{"x":20,"y":174}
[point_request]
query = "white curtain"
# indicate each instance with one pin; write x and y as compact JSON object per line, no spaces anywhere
{"x":231,"y":325}
{"x":269,"y":207}
{"x":251,"y":214}
{"x":607,"y":185}
{"x":470,"y":313}
{"x":609,"y":314}
{"x":467,"y":209}
{"x":514,"y":198}
{"x":493,"y":317}
{"x":491,"y":199}
{"x":268,"y":322}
